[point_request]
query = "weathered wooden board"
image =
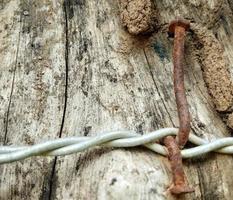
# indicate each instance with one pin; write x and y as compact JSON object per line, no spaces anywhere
{"x":69,"y":68}
{"x":33,"y":90}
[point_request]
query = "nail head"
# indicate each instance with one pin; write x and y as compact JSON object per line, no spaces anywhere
{"x":178,"y":22}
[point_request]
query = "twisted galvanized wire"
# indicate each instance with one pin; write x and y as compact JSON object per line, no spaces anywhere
{"x":66,"y":146}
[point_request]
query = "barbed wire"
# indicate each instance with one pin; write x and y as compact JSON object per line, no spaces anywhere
{"x":70,"y":145}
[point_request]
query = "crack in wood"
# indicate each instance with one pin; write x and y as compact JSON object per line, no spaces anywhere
{"x":53,"y":172}
{"x":12,"y":85}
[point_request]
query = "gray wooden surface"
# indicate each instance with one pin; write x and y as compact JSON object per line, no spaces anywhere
{"x":69,"y":68}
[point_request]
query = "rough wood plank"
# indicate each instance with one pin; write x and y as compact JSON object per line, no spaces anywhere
{"x":108,"y":91}
{"x":9,"y":39}
{"x":122,"y":85}
{"x":38,"y":93}
{"x":115,"y":81}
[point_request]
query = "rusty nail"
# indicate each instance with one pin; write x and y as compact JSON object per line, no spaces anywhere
{"x":178,"y":27}
{"x":179,"y":185}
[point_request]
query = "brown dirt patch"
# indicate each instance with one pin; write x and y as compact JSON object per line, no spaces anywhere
{"x":138,"y":16}
{"x":215,"y":69}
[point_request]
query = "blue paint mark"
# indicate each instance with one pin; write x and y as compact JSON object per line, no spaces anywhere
{"x":160,"y":50}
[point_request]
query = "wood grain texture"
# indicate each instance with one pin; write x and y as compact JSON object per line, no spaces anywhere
{"x":34,"y":98}
{"x":69,"y":68}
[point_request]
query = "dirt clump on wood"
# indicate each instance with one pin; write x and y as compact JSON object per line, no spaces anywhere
{"x":215,"y":69}
{"x":138,"y":16}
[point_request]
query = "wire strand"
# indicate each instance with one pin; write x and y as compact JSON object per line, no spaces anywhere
{"x":117,"y":139}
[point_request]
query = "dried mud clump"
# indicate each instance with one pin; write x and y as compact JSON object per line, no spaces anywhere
{"x":215,"y":70}
{"x":138,"y":16}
